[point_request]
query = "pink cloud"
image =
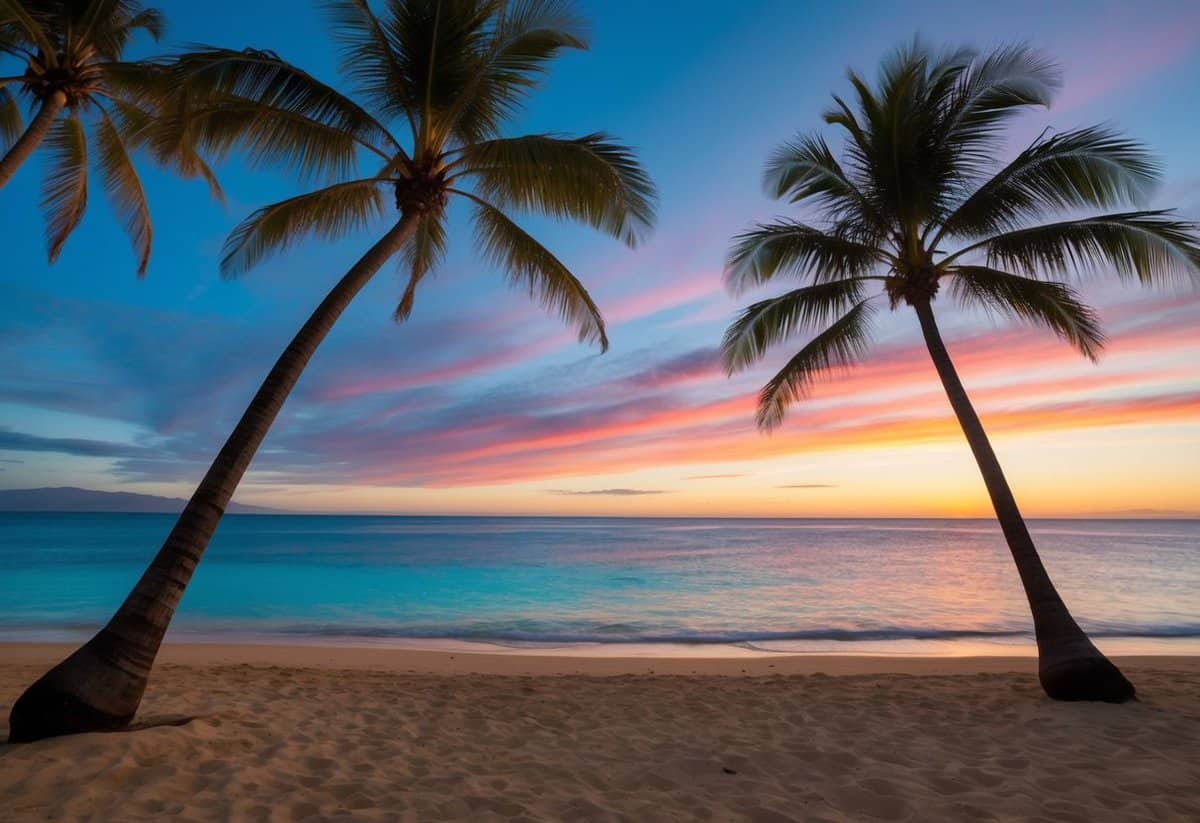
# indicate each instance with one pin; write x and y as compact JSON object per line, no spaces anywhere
{"x":1119,"y":58}
{"x":660,"y":298}
{"x":724,"y":443}
{"x":651,"y":430}
{"x":467,"y":367}
{"x":684,"y":410}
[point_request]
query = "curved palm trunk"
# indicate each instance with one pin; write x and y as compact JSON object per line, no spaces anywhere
{"x":100,"y":685}
{"x":38,"y":127}
{"x":1070,"y":667}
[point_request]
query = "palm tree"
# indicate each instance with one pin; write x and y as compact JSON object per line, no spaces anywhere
{"x":917,"y":175}
{"x":453,"y":71}
{"x":89,"y":103}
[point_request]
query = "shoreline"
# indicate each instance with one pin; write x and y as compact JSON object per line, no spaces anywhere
{"x":964,"y":645}
{"x":468,"y":659}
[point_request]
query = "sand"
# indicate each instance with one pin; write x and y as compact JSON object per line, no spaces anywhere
{"x":295,"y":733}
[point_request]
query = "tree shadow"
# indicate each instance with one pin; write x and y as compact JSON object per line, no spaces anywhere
{"x":152,"y":722}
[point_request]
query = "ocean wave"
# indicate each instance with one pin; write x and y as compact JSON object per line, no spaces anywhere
{"x":550,"y":637}
{"x":621,"y":633}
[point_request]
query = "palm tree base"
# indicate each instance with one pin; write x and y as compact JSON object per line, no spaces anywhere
{"x":84,"y":693}
{"x":1091,"y":677}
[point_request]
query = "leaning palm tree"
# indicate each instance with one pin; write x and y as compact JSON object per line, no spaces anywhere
{"x":89,"y":103}
{"x":451,"y":71}
{"x":915,"y":203}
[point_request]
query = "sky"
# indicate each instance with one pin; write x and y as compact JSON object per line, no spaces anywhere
{"x":484,"y":404}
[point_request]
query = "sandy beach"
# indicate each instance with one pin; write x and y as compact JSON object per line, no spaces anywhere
{"x":314,"y":733}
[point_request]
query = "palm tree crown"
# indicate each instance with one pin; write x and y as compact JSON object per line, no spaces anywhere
{"x":448,"y":73}
{"x":90,"y":103}
{"x":916,"y":176}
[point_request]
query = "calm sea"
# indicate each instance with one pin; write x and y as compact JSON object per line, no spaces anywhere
{"x":795,"y":585}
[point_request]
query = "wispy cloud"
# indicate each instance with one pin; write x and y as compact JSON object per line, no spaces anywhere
{"x":606,"y":492}
{"x":79,"y":447}
{"x":648,"y":302}
{"x":631,"y":411}
{"x":1117,"y":57}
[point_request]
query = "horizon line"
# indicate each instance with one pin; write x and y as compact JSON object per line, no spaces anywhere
{"x":517,"y":516}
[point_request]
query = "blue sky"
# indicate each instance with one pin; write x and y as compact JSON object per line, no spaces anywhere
{"x":483,"y":403}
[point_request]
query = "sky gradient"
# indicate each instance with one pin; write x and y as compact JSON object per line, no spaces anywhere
{"x":484,"y":404}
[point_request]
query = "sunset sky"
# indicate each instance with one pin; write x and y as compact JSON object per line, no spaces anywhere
{"x":483,"y":403}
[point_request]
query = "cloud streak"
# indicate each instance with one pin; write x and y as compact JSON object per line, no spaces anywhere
{"x":639,"y":410}
{"x":77,"y":447}
{"x":606,"y":492}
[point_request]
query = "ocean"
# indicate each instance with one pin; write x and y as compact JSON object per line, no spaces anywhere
{"x":691,"y":585}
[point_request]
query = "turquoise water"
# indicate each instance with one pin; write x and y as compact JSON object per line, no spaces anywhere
{"x":771,"y":584}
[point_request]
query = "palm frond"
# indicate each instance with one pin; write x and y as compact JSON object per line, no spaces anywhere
{"x":64,"y":191}
{"x":328,"y":213}
{"x":590,"y":178}
{"x":928,"y":123}
{"x":437,"y":45}
{"x":124,"y":188}
{"x":107,"y":25}
{"x":894,"y":148}
{"x":992,"y":90}
{"x":768,"y":322}
{"x":527,"y":35}
{"x":148,"y":83}
{"x":103,"y":27}
{"x":793,"y":248}
{"x":421,"y":254}
{"x":840,"y":114}
{"x":150,"y":21}
{"x":23,"y":28}
{"x":11,"y":124}
{"x":1085,"y":167}
{"x":278,"y":113}
{"x":415,"y":59}
{"x":1054,"y":305}
{"x":1148,"y":245}
{"x":844,"y":343}
{"x":805,"y":169}
{"x":369,"y":61}
{"x":529,"y":262}
{"x":518,"y":19}
{"x":137,"y":127}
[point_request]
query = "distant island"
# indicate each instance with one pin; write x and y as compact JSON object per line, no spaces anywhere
{"x":72,"y":499}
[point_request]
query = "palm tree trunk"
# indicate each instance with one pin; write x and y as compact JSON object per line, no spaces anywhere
{"x":1070,"y":667}
{"x":38,"y":127}
{"x":100,"y":685}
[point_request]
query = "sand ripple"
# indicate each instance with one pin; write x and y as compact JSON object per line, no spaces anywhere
{"x":279,"y":744}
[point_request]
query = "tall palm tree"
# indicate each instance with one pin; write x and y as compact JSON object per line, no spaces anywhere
{"x":452,"y":71}
{"x":915,"y":203}
{"x":89,"y":103}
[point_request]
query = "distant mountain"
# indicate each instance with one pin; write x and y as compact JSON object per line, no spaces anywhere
{"x":71,"y":499}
